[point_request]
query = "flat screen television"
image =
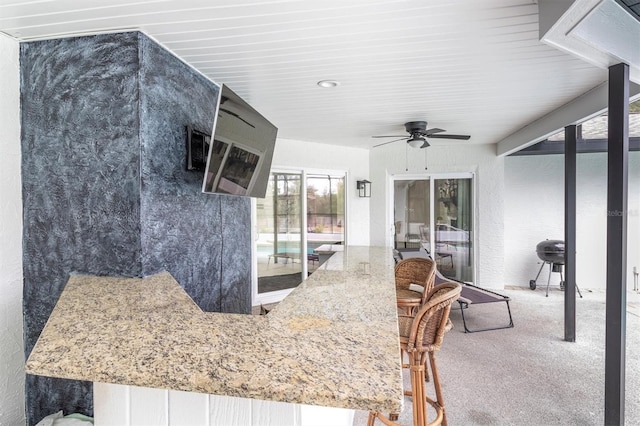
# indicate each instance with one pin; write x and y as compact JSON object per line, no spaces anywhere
{"x":241,"y":150}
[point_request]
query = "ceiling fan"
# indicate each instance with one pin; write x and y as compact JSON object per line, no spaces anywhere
{"x":418,"y":133}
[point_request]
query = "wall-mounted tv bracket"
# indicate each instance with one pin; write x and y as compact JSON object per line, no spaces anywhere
{"x":197,"y":149}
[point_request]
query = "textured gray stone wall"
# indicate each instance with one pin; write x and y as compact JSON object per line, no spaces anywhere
{"x":105,"y":190}
{"x":180,"y":225}
{"x":80,"y":177}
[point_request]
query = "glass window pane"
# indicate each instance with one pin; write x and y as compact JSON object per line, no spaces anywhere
{"x":453,"y":228}
{"x":325,"y":213}
{"x":411,"y":213}
{"x":279,"y":245}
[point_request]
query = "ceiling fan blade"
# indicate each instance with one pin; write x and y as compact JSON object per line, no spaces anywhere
{"x":463,"y":137}
{"x":390,"y":136}
{"x":384,"y":143}
{"x":430,"y":132}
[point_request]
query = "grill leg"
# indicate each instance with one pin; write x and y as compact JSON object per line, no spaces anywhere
{"x":533,"y":283}
{"x":549,"y":279}
{"x":565,"y":285}
{"x":540,"y":270}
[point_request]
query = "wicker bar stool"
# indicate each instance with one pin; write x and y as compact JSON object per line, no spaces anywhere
{"x":421,"y":336}
{"x":417,"y":271}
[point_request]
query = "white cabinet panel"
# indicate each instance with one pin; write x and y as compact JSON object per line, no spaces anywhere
{"x":111,"y":405}
{"x":270,"y":413}
{"x":229,"y":411}
{"x":313,"y":415}
{"x":149,"y":406}
{"x":188,"y":409}
{"x":118,"y":405}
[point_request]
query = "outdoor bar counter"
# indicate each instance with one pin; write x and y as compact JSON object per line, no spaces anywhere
{"x":332,"y":342}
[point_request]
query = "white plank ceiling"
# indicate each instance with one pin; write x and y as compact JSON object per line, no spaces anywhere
{"x":470,"y":67}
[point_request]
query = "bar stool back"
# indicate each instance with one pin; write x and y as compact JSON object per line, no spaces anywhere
{"x":418,"y":271}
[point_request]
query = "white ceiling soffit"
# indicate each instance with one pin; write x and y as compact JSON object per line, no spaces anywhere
{"x":599,"y":32}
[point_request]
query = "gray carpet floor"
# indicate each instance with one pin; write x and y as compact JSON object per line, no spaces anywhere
{"x":528,"y":375}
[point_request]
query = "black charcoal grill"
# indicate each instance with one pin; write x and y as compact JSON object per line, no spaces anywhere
{"x":551,"y":252}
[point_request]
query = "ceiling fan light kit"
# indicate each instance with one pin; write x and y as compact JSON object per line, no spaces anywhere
{"x":417,"y":141}
{"x":418,"y":133}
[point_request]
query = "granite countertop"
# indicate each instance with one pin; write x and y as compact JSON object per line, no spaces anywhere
{"x":333,"y":341}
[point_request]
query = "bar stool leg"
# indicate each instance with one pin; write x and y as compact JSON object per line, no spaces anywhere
{"x":417,"y":389}
{"x":418,"y":367}
{"x":436,"y":385}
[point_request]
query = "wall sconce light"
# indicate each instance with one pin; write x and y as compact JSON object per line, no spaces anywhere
{"x":364,"y":188}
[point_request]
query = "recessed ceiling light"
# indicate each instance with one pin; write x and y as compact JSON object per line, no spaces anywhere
{"x":328,"y":83}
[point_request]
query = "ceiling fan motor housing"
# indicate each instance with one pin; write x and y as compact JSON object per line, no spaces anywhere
{"x":415,"y":127}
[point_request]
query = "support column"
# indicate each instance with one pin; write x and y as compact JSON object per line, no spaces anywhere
{"x":570,"y":152}
{"x":617,"y":178}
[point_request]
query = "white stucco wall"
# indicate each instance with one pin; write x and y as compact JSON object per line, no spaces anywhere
{"x":355,"y":161}
{"x":394,"y":159}
{"x":11,"y":346}
{"x":534,"y":211}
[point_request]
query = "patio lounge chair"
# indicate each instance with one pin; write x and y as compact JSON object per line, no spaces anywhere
{"x":470,"y":295}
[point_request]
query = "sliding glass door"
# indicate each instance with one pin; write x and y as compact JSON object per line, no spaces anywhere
{"x":279,"y":239}
{"x":300,"y":213}
{"x":437,"y":215}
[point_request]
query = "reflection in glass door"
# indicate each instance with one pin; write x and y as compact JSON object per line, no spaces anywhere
{"x":412,"y":210}
{"x":437,"y":214}
{"x":279,"y":241}
{"x":325,"y":215}
{"x":453,"y":228}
